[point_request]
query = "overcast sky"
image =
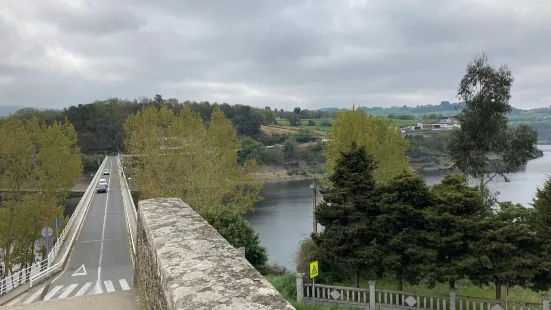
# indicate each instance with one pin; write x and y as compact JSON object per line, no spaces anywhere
{"x":278,"y":53}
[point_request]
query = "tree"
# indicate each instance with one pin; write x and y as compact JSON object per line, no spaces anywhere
{"x":402,"y":203}
{"x":183,"y":158}
{"x":45,"y":159}
{"x":349,"y":214}
{"x":239,"y":233}
{"x":507,"y":249}
{"x":384,"y":142}
{"x":452,"y":225}
{"x":541,"y":223}
{"x":290,"y":149}
{"x":484,"y":133}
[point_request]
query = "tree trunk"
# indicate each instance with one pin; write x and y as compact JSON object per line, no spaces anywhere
{"x":400,"y":288}
{"x":482,"y":183}
{"x":498,"y":289}
{"x":356,"y":278}
{"x":452,"y":283}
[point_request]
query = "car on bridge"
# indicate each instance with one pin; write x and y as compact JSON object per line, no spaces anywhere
{"x":106,"y":172}
{"x":102,"y":186}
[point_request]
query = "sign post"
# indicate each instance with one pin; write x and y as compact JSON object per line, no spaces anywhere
{"x":47,"y":232}
{"x":56,"y":223}
{"x":314,"y":272}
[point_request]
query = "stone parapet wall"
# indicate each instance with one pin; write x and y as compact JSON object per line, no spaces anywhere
{"x":183,"y":263}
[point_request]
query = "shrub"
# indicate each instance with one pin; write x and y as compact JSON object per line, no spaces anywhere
{"x":329,"y":272}
{"x":239,"y":233}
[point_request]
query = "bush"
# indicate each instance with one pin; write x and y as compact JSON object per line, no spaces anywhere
{"x":329,"y":272}
{"x":90,"y":162}
{"x":325,"y":123}
{"x":274,"y":270}
{"x":239,"y":233}
{"x":311,"y":123}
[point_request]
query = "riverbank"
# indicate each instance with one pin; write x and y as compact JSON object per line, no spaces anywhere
{"x":281,"y":173}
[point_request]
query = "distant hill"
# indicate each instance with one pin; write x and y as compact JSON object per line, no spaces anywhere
{"x":6,"y":110}
{"x":445,"y":108}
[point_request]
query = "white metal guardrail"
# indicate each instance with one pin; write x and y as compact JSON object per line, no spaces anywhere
{"x":128,"y":202}
{"x":77,"y":216}
{"x":40,"y":268}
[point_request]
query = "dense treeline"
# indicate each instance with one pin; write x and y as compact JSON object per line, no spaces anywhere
{"x":430,"y":234}
{"x":99,"y":125}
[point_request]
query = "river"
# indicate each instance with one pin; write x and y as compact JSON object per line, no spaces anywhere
{"x":284,"y":217}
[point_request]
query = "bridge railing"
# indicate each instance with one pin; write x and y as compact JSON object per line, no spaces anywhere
{"x":128,"y":202}
{"x":30,"y":274}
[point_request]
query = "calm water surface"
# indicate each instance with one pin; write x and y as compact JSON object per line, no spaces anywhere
{"x":284,"y":217}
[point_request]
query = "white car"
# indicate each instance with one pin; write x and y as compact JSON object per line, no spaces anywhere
{"x":102,"y":181}
{"x":106,"y":172}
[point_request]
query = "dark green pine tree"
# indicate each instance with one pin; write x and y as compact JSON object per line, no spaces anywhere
{"x":349,"y":213}
{"x":453,"y":224}
{"x":507,"y":248}
{"x":402,"y":226}
{"x":541,"y":223}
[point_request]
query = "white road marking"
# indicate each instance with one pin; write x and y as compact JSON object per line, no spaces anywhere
{"x":83,"y":289}
{"x":13,"y":302}
{"x":81,"y":271}
{"x":53,"y":292}
{"x":109,"y":286}
{"x":98,"y":283}
{"x":67,"y":291}
{"x":124,"y":284}
{"x":34,"y":296}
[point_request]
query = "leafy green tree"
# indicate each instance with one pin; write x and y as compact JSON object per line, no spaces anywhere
{"x":349,"y":213}
{"x":507,"y":249}
{"x":290,"y":149}
{"x":239,"y":233}
{"x":403,"y":201}
{"x":180,"y":145}
{"x":541,"y":223}
{"x":452,"y":225}
{"x":44,"y":158}
{"x":384,"y":142}
{"x":484,"y":133}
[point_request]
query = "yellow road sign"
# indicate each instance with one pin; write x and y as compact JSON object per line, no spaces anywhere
{"x":314,"y":270}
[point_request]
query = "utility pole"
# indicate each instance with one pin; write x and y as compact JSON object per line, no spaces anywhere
{"x":314,"y":196}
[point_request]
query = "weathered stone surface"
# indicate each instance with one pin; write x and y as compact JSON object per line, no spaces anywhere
{"x":183,"y":263}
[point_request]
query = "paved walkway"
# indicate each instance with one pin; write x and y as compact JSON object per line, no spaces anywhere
{"x":119,"y":301}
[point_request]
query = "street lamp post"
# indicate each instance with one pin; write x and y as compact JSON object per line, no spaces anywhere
{"x":314,"y":196}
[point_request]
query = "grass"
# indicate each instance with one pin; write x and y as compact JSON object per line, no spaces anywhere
{"x":304,"y":123}
{"x":286,"y":286}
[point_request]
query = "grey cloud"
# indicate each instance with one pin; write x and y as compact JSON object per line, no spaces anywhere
{"x":280,"y":53}
{"x":93,"y":20}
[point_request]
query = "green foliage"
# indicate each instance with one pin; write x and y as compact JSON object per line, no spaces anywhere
{"x":348,"y":214}
{"x":239,"y":233}
{"x":507,"y":249}
{"x":484,"y":132}
{"x":254,"y":150}
{"x":541,"y":223}
{"x":44,"y":158}
{"x":453,"y":224}
{"x":402,"y":224}
{"x":384,"y":143}
{"x":290,"y":150}
{"x":332,"y":271}
{"x":176,"y":145}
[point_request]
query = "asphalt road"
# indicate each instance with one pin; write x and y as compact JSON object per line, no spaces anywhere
{"x":100,"y":261}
